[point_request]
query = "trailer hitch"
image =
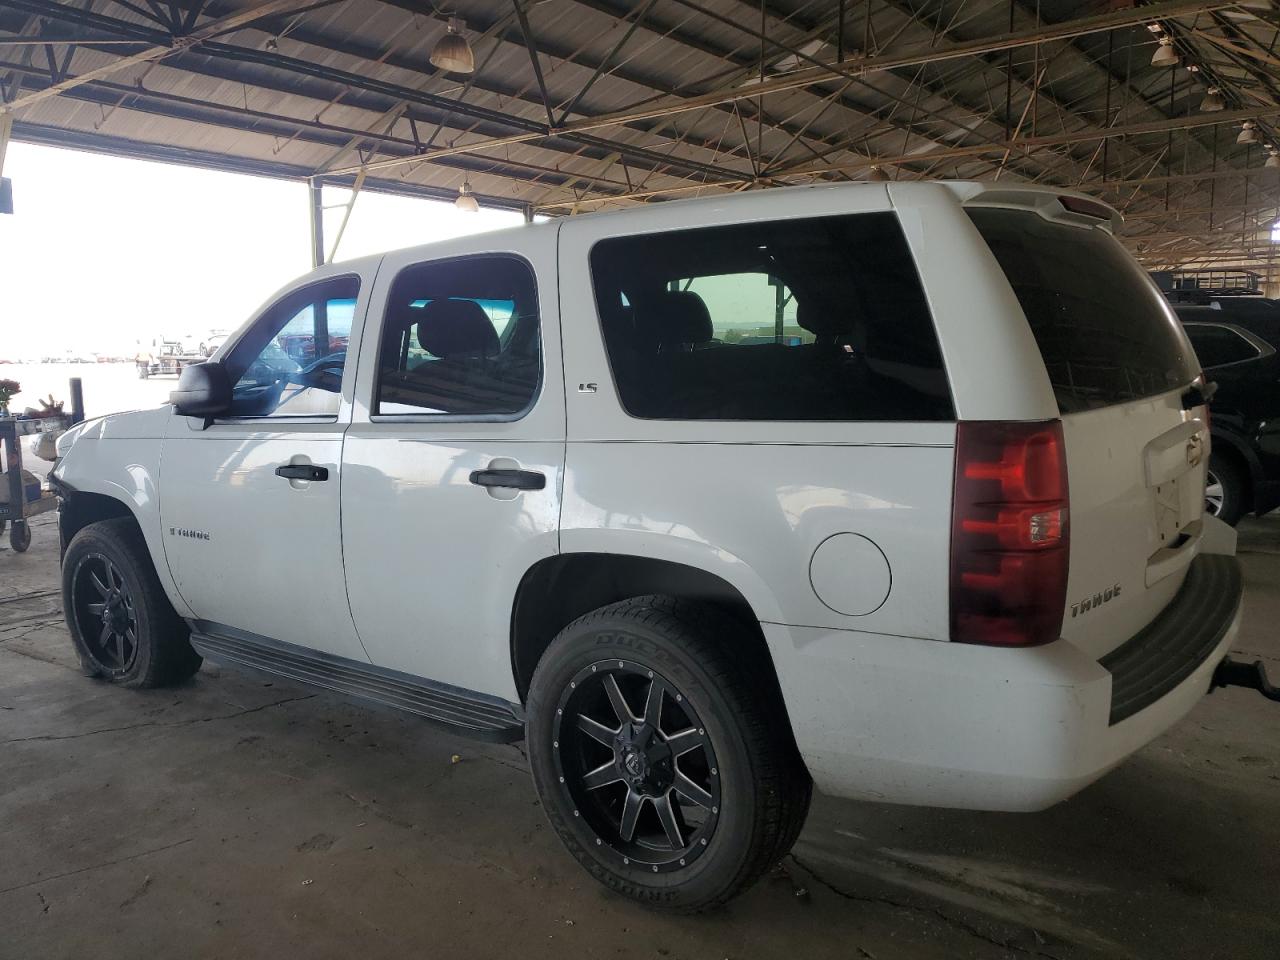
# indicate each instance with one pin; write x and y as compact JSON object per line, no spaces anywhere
{"x":1235,"y":673}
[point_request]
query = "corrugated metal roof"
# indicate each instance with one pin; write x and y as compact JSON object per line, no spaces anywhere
{"x":663,"y":98}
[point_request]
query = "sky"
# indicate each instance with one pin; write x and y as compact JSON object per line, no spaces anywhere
{"x":103,"y":251}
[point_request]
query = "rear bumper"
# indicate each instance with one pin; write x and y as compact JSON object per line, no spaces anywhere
{"x":941,"y":724}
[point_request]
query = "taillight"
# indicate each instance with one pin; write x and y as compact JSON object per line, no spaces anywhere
{"x":1009,"y":533}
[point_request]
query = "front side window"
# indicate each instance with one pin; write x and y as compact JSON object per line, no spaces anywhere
{"x":291,"y":361}
{"x":816,"y":319}
{"x":460,"y":337}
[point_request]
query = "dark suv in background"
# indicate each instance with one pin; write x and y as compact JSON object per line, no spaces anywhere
{"x":1236,"y":341}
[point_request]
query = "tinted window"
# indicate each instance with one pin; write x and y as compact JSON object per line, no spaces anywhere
{"x":460,"y":337}
{"x":1260,"y":317}
{"x":1103,"y":329}
{"x":819,"y":319}
{"x":291,"y":361}
{"x":1216,"y":345}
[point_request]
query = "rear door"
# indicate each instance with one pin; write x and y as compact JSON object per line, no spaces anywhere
{"x":452,"y":465}
{"x":1120,"y":367}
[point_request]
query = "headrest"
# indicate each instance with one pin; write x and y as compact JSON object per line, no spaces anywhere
{"x":678,"y":317}
{"x":456,"y":328}
{"x":823,"y":319}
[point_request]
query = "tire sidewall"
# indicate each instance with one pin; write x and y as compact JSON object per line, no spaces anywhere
{"x":616,"y":638}
{"x":1232,"y":483}
{"x":85,"y":546}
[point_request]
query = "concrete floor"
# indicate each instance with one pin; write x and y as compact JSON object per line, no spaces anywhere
{"x":240,"y":818}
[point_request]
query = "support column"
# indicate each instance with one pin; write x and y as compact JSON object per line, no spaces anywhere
{"x":6,"y":186}
{"x":315,"y":188}
{"x":6,"y":127}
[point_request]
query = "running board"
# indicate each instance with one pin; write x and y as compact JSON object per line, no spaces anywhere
{"x":465,"y":712}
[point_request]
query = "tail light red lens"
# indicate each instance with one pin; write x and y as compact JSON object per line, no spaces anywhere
{"x":1010,"y":533}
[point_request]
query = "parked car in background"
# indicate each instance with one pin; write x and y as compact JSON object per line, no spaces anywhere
{"x":211,"y":343}
{"x":1236,"y":345}
{"x":939,"y":540}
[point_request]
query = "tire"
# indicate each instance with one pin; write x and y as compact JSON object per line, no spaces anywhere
{"x":20,"y":536}
{"x":722,"y":775}
{"x":122,"y":625}
{"x":1225,"y":489}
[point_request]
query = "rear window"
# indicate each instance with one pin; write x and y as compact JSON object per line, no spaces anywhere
{"x":1104,"y":331}
{"x":814,"y":319}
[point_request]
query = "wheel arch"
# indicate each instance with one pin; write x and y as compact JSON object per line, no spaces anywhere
{"x":79,"y":508}
{"x":557,"y":590}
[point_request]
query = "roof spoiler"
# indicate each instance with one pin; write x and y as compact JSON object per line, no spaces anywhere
{"x":1062,"y":206}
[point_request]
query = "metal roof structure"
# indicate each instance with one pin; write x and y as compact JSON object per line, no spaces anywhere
{"x":581,"y":104}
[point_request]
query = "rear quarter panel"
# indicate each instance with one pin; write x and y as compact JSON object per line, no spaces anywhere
{"x":749,"y":501}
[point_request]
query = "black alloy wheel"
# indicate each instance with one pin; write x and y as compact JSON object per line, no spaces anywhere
{"x":122,"y":625}
{"x":104,"y":610}
{"x":662,"y":754}
{"x":636,"y":764}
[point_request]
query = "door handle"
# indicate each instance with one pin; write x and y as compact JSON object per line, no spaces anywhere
{"x":512,"y":479}
{"x":302,"y":471}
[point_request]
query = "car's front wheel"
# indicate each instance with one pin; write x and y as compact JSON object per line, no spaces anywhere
{"x":663,"y":760}
{"x":122,"y":625}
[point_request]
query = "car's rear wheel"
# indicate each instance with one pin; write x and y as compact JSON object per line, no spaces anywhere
{"x":662,"y":759}
{"x":122,"y":625}
{"x":1224,"y":490}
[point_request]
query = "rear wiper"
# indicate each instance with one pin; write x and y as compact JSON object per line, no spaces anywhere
{"x":1198,"y":394}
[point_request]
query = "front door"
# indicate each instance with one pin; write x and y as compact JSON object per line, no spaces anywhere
{"x":452,"y":465}
{"x":250,"y":503}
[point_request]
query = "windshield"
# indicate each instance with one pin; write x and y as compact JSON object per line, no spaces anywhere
{"x":1104,"y":331}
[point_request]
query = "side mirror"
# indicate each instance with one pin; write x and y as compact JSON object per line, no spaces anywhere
{"x":204,"y":390}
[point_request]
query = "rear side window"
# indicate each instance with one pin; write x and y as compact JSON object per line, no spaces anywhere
{"x":816,"y":319}
{"x":1103,"y":329}
{"x":1217,"y":346}
{"x":461,"y":337}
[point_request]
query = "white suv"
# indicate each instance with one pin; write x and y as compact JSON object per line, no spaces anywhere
{"x":895,"y":489}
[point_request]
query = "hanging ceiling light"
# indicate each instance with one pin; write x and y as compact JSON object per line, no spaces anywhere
{"x":1246,"y":133}
{"x":1212,"y":101}
{"x":1165,"y":55}
{"x":466,"y":199}
{"x":877,"y":175}
{"x":453,"y":53}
